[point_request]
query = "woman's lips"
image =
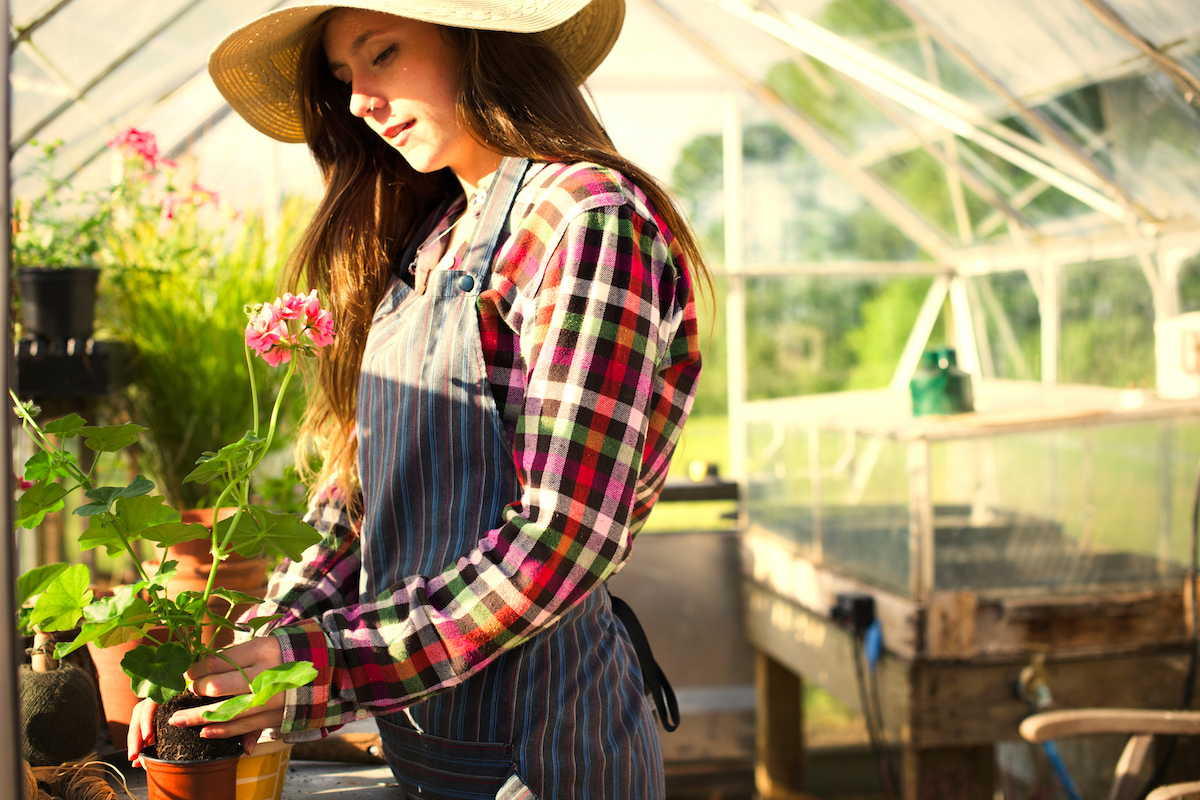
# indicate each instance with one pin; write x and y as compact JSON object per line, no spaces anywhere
{"x":396,"y":130}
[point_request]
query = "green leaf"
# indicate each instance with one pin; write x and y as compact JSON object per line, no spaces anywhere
{"x":257,"y":622}
{"x":60,"y":605}
{"x":35,"y":580}
{"x":102,"y":498}
{"x":37,"y":501}
{"x":157,"y":673}
{"x":140,"y":516}
{"x":44,"y":465}
{"x":112,"y":620}
{"x":235,"y":597}
{"x":110,"y":438}
{"x":65,"y":427}
{"x":140,"y":513}
{"x":265,"y":685}
{"x":174,"y":533}
{"x":166,"y":571}
{"x":102,"y":533}
{"x":190,"y":603}
{"x":228,"y":460}
{"x":137,"y":488}
{"x":259,"y":528}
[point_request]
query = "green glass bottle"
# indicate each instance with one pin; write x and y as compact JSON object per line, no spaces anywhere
{"x":939,"y":386}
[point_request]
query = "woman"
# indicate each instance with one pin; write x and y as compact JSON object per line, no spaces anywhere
{"x":517,"y":352}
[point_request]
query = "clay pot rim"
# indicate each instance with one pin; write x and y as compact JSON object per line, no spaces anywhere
{"x":154,"y":758}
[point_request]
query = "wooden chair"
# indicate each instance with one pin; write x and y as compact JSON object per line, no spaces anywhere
{"x":1141,"y":725}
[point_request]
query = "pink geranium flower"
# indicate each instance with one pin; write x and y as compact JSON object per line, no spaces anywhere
{"x":135,"y":143}
{"x":271,"y":332}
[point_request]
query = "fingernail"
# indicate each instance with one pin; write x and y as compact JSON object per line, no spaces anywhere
{"x":177,"y":719}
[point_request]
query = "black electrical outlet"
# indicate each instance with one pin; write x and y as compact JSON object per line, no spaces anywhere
{"x":854,"y":611}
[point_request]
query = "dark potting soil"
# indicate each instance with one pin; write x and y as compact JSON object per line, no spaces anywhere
{"x":184,"y":744}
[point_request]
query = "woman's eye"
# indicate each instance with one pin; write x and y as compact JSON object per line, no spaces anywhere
{"x":382,"y":57}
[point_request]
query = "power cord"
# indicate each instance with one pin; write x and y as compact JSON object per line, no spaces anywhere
{"x":855,"y":612}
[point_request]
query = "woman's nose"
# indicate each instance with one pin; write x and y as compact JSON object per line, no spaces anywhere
{"x":363,"y":104}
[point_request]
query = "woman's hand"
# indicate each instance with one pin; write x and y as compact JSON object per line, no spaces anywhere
{"x":141,"y":730}
{"x":216,"y":677}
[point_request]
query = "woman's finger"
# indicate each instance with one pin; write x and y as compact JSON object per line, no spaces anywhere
{"x":141,"y":730}
{"x":223,"y":685}
{"x":253,"y":657}
{"x":192,"y":717}
{"x":251,"y":723}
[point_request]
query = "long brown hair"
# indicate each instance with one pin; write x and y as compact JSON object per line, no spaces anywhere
{"x":517,"y":97}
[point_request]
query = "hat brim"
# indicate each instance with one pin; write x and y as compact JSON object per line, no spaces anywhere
{"x":256,"y":68}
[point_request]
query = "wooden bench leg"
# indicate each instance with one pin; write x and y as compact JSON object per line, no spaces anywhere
{"x":779,"y":755}
{"x":949,"y":773}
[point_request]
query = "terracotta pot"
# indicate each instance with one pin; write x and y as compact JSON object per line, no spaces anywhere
{"x":191,"y":780}
{"x":116,"y":689}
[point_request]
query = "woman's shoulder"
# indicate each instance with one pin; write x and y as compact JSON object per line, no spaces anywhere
{"x":572,"y":188}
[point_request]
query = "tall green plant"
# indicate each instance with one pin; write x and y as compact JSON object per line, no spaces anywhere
{"x":185,"y":325}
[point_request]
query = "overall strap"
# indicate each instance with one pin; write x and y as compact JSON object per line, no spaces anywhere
{"x":653,"y":677}
{"x":497,"y":203}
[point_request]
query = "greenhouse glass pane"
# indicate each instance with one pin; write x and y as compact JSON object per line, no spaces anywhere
{"x":1156,"y":144}
{"x":1163,"y":23}
{"x":88,"y":35}
{"x":1007,"y":310}
{"x":24,"y":12}
{"x":1106,"y":325}
{"x":35,"y":92}
{"x":806,"y":335}
{"x":1036,"y":47}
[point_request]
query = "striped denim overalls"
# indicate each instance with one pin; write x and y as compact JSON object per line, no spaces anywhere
{"x":560,"y":716}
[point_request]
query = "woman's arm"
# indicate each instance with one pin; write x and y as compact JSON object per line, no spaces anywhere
{"x":326,"y":577}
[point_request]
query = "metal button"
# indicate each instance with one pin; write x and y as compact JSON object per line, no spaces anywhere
{"x":466,"y":283}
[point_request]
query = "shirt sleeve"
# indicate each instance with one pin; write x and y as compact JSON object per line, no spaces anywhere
{"x":598,"y":348}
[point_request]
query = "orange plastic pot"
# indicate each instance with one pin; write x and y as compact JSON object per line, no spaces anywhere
{"x":191,"y":780}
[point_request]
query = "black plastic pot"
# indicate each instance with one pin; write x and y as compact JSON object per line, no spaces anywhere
{"x":58,"y":303}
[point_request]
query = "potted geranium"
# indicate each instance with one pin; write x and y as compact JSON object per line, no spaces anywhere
{"x":183,"y":263}
{"x":57,"y":597}
{"x":57,"y":240}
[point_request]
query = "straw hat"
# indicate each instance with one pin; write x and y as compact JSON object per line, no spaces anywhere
{"x":256,"y":67}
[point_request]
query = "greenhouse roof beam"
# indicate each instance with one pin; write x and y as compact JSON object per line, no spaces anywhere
{"x":986,"y":259}
{"x":1032,"y":116}
{"x":104,"y":73}
{"x":916,"y":94}
{"x":897,"y":210}
{"x":1188,"y":83}
{"x":24,"y":33}
{"x":949,"y":145}
{"x":825,"y":268}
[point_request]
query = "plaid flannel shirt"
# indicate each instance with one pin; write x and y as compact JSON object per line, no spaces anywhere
{"x":590,"y":339}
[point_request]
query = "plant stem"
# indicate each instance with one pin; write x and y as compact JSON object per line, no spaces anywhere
{"x":253,"y":386}
{"x":240,"y":484}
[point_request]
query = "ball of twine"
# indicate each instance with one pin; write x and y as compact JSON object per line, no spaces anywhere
{"x":59,"y":714}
